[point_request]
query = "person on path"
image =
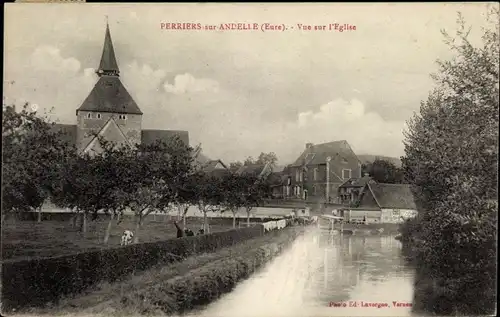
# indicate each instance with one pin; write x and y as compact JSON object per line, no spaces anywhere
{"x":180,"y":233}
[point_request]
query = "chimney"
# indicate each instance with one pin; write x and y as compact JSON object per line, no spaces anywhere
{"x":309,"y":145}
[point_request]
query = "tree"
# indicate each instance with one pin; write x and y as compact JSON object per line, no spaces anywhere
{"x":249,"y":161}
{"x":231,"y":186}
{"x":253,"y":192}
{"x":180,"y":178}
{"x":265,"y":158}
{"x":384,"y":171}
{"x":451,"y":158}
{"x":33,"y":153}
{"x":92,"y":182}
{"x":208,"y":195}
{"x":158,"y":169}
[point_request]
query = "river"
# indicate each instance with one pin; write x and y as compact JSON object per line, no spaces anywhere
{"x":322,"y":274}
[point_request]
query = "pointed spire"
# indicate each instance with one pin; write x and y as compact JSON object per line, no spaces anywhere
{"x":108,"y":65}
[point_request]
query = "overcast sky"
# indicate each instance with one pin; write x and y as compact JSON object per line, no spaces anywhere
{"x":240,"y":93}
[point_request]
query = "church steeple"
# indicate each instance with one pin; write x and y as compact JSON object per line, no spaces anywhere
{"x":108,"y":65}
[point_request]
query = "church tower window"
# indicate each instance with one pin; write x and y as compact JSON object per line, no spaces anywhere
{"x":89,"y":115}
{"x":98,"y":116}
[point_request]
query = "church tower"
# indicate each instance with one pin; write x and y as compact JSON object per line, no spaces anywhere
{"x":109,"y":110}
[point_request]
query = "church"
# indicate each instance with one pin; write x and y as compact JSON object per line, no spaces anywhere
{"x":111,"y":112}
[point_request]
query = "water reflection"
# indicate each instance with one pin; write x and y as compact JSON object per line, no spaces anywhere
{"x":326,"y":275}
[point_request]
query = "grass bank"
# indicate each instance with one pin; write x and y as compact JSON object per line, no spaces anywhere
{"x":180,"y":286}
{"x":30,"y":239}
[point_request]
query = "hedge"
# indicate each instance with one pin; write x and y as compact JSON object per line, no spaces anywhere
{"x":35,"y":282}
{"x":204,"y":285}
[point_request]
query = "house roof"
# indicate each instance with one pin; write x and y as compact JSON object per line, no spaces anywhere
{"x":317,"y":154}
{"x":251,"y":169}
{"x":219,"y":172}
{"x":234,"y":169}
{"x":150,"y":136}
{"x":109,"y":95}
{"x":211,"y":165}
{"x":397,"y":196}
{"x":110,"y":127}
{"x":357,"y":182}
{"x":68,"y":130}
{"x":277,"y":179}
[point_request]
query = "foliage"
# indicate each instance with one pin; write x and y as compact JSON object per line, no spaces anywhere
{"x":452,"y":161}
{"x":91,"y":182}
{"x":235,"y":165}
{"x":33,"y":154}
{"x":253,"y":193}
{"x":232,"y":186}
{"x":384,"y":171}
{"x":181,"y":176}
{"x":263,"y":158}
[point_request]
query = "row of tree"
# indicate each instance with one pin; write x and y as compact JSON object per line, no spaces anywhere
{"x":262,"y":159}
{"x":161,"y":177}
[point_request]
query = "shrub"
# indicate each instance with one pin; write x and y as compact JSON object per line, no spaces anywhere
{"x":201,"y":286}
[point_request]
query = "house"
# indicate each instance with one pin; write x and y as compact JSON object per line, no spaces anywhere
{"x":110,"y":111}
{"x":350,"y":190}
{"x":261,"y":171}
{"x":215,"y":168}
{"x":318,"y":172}
{"x":280,"y":181}
{"x":382,"y":203}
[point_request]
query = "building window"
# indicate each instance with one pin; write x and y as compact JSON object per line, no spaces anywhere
{"x":315,"y":174}
{"x":122,"y":117}
{"x":89,"y":115}
{"x":344,"y":160}
{"x":301,"y":174}
{"x":98,"y":116}
{"x":297,"y":175}
{"x":346,"y":173}
{"x":396,"y":212}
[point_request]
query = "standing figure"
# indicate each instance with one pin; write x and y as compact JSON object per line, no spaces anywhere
{"x":180,"y":233}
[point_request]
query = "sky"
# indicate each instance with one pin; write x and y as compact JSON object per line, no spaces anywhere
{"x":240,"y":93}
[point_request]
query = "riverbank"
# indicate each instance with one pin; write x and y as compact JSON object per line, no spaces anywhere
{"x":386,"y":229}
{"x":181,"y":286}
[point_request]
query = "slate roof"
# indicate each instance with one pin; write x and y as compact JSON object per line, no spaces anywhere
{"x":357,"y":182}
{"x":108,"y":58}
{"x":278,"y":179}
{"x":219,"y":172}
{"x":109,"y":95}
{"x":251,"y":169}
{"x":396,"y":196}
{"x":68,"y":130}
{"x":150,"y":136}
{"x":318,"y":153}
{"x":210,"y":166}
